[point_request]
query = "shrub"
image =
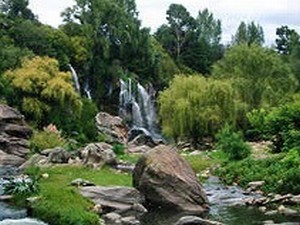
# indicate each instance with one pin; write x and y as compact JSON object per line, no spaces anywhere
{"x":21,"y":186}
{"x":232,"y":143}
{"x":50,"y":137}
{"x":119,"y":149}
{"x":280,"y":123}
{"x":280,"y":172}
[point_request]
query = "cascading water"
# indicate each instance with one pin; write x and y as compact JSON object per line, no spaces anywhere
{"x":75,"y":78}
{"x":87,"y":91}
{"x":137,"y":108}
{"x":86,"y":88}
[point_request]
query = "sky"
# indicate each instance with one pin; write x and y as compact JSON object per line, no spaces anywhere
{"x":270,"y":14}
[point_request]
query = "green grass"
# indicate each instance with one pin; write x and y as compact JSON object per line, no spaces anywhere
{"x":61,"y":204}
{"x":130,"y":158}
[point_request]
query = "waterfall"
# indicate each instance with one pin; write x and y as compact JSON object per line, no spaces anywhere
{"x":137,"y":107}
{"x":87,"y":91}
{"x":75,"y":78}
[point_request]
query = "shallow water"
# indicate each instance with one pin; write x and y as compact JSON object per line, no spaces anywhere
{"x":222,"y":199}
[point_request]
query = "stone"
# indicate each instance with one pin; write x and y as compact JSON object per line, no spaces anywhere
{"x":5,"y":197}
{"x":112,"y":127}
{"x":14,"y":136}
{"x":194,"y":220}
{"x":79,"y":182}
{"x":263,"y":209}
{"x":268,"y":222}
{"x":271,"y":213}
{"x":286,"y":211}
{"x":138,"y":149}
{"x":295,"y":199}
{"x":113,"y":198}
{"x":255,"y":185}
{"x":98,"y":154}
{"x":58,"y":155}
{"x":10,"y":160}
{"x":16,"y":130}
{"x":167,"y":180}
{"x":112,"y":218}
{"x":141,"y":139}
{"x":35,"y":160}
{"x":9,"y":114}
{"x":98,"y":209}
{"x":130,"y":220}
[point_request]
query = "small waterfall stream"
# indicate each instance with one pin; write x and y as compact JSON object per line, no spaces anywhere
{"x":86,"y":88}
{"x":75,"y":78}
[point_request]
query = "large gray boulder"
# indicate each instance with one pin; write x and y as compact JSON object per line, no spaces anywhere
{"x":112,"y":127}
{"x":115,"y":199}
{"x":14,"y":135}
{"x":167,"y":180}
{"x":98,"y":154}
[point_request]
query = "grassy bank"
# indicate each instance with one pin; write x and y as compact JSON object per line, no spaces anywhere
{"x":61,"y":204}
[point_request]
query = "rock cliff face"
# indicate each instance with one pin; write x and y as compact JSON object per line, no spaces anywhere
{"x":14,"y":135}
{"x":167,"y":180}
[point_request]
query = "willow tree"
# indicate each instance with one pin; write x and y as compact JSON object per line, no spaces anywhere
{"x":194,"y":107}
{"x":42,"y":92}
{"x":260,"y":78}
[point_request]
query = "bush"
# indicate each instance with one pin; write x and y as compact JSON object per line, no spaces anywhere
{"x":119,"y":149}
{"x":280,"y":123}
{"x":21,"y":186}
{"x":280,"y":172}
{"x":232,"y":143}
{"x":47,"y":138}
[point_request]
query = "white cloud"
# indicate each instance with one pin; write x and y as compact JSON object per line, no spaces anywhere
{"x":269,"y":14}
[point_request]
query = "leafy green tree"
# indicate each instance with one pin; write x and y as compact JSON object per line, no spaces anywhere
{"x":174,"y":36}
{"x":16,"y":8}
{"x":195,"y":107}
{"x":288,"y":45}
{"x":42,"y":91}
{"x":249,"y":34}
{"x":208,"y":28}
{"x":203,"y":47}
{"x":287,"y":40}
{"x":113,"y":40}
{"x":260,"y":77}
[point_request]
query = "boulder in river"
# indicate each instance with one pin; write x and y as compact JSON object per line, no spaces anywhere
{"x":167,"y":180}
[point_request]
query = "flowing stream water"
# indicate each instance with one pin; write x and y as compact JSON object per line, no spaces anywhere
{"x":224,"y":208}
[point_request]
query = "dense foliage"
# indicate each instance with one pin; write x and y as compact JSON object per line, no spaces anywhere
{"x":232,"y":143}
{"x":41,"y":90}
{"x":195,"y":107}
{"x":280,"y":173}
{"x":280,"y":124}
